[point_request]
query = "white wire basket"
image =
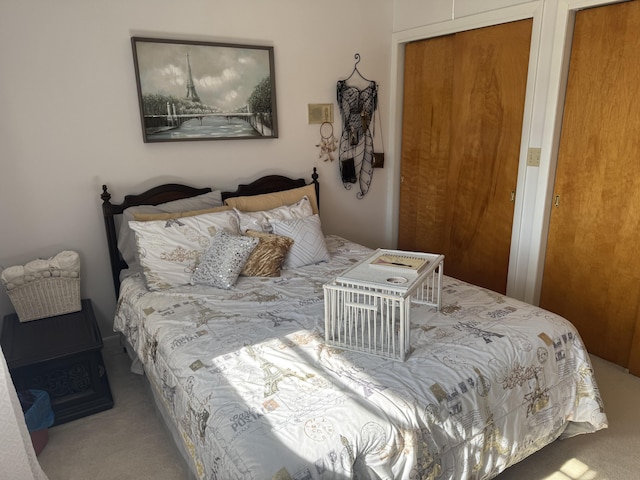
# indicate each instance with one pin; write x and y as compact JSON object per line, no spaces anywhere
{"x":369,"y":309}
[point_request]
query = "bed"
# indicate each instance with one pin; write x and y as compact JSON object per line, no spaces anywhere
{"x":249,"y":390}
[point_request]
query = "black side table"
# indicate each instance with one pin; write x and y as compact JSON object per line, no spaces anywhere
{"x":62,"y":356}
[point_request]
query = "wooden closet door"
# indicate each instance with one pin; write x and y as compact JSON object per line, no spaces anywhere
{"x":592,"y":266}
{"x":462,"y":122}
{"x":426,"y":142}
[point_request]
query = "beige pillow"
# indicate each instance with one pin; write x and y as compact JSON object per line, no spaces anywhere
{"x":268,"y":256}
{"x":147,"y":217}
{"x":268,"y":201}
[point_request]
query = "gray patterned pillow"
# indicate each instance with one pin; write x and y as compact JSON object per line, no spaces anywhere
{"x":223,"y":261}
{"x":308,"y":246}
{"x":259,"y":220}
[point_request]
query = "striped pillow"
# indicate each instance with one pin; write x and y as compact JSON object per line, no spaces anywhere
{"x":308,"y":246}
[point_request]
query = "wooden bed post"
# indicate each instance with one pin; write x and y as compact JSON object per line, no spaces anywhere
{"x":112,"y":240}
{"x":314,"y":178}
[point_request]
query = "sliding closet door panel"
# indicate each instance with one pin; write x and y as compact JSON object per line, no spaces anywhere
{"x":490,"y":77}
{"x":463,"y":110}
{"x":426,"y":140}
{"x":592,"y":266}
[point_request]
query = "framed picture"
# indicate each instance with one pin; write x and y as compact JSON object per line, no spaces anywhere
{"x":190,"y":90}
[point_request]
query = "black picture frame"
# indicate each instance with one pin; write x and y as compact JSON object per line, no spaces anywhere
{"x":193,"y":90}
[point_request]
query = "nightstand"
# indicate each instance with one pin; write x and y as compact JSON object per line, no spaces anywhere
{"x":61,"y":355}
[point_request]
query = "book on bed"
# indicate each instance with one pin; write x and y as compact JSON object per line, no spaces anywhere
{"x":399,"y":262}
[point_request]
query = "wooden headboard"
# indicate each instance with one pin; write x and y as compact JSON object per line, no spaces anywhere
{"x":173,"y":191}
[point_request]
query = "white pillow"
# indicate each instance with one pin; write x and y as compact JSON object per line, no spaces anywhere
{"x":126,"y":237}
{"x":169,"y":250}
{"x":261,"y":221}
{"x":309,"y":246}
{"x":222,"y":263}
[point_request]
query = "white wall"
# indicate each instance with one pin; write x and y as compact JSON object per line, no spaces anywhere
{"x":409,"y":14}
{"x":69,"y":119}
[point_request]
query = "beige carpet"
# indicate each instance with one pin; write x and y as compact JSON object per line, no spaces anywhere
{"x":125,"y":442}
{"x":611,"y":454}
{"x":129,"y":442}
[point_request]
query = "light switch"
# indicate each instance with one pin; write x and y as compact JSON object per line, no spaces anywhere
{"x":533,"y":157}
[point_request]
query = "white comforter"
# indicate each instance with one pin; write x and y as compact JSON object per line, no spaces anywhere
{"x":256,"y":394}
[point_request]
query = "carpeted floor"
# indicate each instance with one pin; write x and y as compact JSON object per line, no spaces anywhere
{"x":611,"y":454}
{"x":125,"y":442}
{"x":129,"y":441}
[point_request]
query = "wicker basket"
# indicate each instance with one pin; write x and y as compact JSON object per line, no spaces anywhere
{"x":46,"y":297}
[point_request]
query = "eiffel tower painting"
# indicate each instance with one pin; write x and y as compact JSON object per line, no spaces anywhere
{"x":230,"y":94}
{"x":191,"y":88}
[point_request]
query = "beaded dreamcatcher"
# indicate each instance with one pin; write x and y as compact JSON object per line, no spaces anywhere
{"x":328,"y":142}
{"x":357,"y":107}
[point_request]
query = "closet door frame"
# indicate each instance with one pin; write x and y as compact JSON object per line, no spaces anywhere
{"x":530,"y":10}
{"x":551,"y":38}
{"x":564,"y":14}
{"x":460,"y":162}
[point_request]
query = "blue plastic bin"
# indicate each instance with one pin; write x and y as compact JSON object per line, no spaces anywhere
{"x":39,"y":414}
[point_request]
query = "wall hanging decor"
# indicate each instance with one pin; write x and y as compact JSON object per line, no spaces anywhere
{"x":357,"y":107}
{"x":328,"y":142}
{"x":191,"y":90}
{"x":320,"y":112}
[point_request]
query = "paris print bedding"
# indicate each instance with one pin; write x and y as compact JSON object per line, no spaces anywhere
{"x":256,"y":394}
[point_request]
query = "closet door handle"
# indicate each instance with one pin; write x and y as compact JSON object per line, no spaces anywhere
{"x":513,"y":195}
{"x":556,"y":201}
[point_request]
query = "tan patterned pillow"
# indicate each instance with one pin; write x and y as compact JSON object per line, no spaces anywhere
{"x":267,"y":201}
{"x":267,"y":258}
{"x":147,"y":217}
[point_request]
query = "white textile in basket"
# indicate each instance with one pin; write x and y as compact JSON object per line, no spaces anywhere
{"x":64,"y":264}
